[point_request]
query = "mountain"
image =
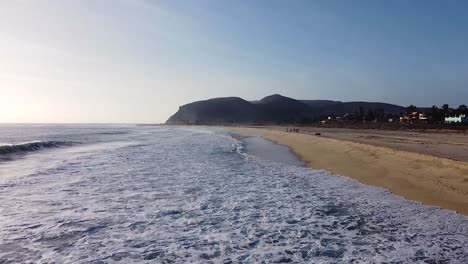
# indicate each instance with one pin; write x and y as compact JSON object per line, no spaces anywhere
{"x":271,"y":109}
{"x":277,"y":107}
{"x":320,"y":103}
{"x":216,"y":110}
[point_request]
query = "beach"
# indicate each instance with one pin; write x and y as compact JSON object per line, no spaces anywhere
{"x":430,"y":168}
{"x":167,"y":194}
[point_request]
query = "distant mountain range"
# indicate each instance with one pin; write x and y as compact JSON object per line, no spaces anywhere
{"x":271,"y":109}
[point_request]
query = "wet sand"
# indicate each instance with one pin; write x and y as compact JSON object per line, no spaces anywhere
{"x":257,"y":145}
{"x":388,"y":159}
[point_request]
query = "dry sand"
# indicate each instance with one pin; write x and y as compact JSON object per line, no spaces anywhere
{"x":430,"y":179}
{"x":444,"y":144}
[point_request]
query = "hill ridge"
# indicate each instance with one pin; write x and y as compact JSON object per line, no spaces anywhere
{"x":274,"y":108}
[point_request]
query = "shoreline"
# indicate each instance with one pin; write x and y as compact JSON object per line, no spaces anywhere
{"x":259,"y":146}
{"x":428,"y":179}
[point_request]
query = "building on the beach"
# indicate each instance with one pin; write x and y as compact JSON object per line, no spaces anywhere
{"x":457,"y":119}
{"x":422,"y":117}
{"x":414,"y":117}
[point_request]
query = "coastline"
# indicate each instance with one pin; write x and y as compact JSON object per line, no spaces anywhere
{"x":425,"y":178}
{"x":264,"y":148}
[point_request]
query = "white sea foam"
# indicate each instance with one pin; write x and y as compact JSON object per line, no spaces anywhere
{"x":239,"y":147}
{"x":181,"y":196}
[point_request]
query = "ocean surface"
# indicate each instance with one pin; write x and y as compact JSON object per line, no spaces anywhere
{"x":141,"y":194}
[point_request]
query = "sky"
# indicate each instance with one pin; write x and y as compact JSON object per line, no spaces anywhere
{"x":137,"y":61}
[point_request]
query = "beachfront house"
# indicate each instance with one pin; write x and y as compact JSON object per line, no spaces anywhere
{"x":457,"y":119}
{"x":414,"y":117}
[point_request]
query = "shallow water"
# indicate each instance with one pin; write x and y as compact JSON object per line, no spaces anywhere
{"x":163,"y":194}
{"x":256,"y":145}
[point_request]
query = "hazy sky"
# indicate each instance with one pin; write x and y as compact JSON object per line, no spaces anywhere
{"x":137,"y":61}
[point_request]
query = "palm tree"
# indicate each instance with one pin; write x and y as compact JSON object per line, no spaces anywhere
{"x":445,"y":109}
{"x":410,"y":109}
{"x":362,"y":113}
{"x":370,"y":115}
{"x":436,"y":114}
{"x":462,"y":110}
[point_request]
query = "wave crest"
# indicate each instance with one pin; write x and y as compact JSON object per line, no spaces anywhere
{"x":32,"y":146}
{"x":239,"y":147}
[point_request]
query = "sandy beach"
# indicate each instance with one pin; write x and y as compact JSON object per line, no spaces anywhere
{"x":431,"y":168}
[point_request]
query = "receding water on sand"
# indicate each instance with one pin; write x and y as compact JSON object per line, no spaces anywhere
{"x":165,"y":194}
{"x":258,"y":146}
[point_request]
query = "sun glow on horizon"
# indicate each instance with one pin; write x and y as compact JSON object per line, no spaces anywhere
{"x":138,"y":61}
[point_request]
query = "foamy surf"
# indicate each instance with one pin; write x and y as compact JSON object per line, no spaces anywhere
{"x":188,"y":196}
{"x":238,"y":147}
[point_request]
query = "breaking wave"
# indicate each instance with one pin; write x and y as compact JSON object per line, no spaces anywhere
{"x":32,"y":146}
{"x":185,"y":196}
{"x":239,"y":147}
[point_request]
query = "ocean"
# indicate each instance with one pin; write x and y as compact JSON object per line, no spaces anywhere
{"x":158,"y":194}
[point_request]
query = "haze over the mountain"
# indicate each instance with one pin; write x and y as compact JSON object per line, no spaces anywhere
{"x":271,"y":109}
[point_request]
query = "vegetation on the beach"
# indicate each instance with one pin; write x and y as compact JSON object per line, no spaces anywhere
{"x":435,"y":114}
{"x":438,"y":114}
